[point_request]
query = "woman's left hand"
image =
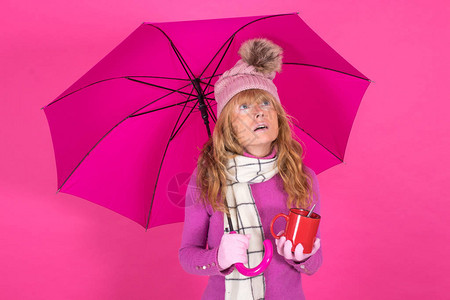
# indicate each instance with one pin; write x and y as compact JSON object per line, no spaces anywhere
{"x":284,"y":249}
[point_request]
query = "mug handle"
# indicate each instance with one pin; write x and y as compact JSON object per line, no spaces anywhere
{"x":273,"y":221}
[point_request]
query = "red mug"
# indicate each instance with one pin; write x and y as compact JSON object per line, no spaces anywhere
{"x":300,"y":229}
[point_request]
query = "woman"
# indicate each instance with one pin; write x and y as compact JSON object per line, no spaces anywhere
{"x":248,"y":172}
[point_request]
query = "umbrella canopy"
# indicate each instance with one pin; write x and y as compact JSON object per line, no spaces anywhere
{"x":127,"y":134}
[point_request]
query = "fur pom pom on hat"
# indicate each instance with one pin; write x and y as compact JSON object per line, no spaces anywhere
{"x":260,"y":60}
{"x":262,"y":54}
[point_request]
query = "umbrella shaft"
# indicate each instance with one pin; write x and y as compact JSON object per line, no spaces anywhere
{"x":202,"y":105}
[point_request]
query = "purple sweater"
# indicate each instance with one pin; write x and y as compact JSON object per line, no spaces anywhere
{"x":203,"y":230}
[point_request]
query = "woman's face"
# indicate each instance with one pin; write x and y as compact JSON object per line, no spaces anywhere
{"x":255,"y":124}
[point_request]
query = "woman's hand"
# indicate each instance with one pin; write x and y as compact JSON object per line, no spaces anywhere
{"x":232,"y":249}
{"x":284,"y":249}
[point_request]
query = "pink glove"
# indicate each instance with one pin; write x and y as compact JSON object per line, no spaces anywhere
{"x":284,"y":249}
{"x":232,"y":249}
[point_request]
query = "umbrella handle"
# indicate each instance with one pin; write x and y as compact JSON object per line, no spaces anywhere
{"x":268,"y":253}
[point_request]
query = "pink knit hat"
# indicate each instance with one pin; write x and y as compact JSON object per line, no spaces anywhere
{"x":261,"y":59}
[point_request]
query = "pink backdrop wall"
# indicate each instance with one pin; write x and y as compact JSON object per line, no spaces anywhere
{"x":384,"y":234}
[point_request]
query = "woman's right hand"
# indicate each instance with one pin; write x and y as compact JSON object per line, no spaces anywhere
{"x":232,"y":249}
{"x":284,"y":249}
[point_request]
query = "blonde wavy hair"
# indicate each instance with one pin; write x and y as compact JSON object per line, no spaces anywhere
{"x":224,"y":145}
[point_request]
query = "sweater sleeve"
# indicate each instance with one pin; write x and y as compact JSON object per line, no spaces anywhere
{"x":312,"y":264}
{"x":194,"y":256}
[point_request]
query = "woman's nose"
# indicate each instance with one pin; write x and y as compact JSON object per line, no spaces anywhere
{"x":258,"y":111}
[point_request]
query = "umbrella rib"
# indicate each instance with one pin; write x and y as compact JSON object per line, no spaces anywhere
{"x":181,"y":113}
{"x":158,"y":86}
{"x":207,"y":94}
{"x":184,"y":64}
{"x":215,"y":75}
{"x":172,"y":136}
{"x":234,"y":34}
{"x":325,"y":68}
{"x":210,"y":111}
{"x":221,"y":59}
{"x":156,"y":184}
{"x":210,"y":99}
{"x":103,"y":80}
{"x":160,"y":77}
{"x":184,"y":121}
{"x":108,"y":132}
{"x":160,"y":167}
{"x":177,"y":53}
{"x":168,"y":106}
{"x":340,"y":159}
{"x":160,"y":99}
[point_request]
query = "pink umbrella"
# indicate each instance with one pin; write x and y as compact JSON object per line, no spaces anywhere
{"x":126,"y":134}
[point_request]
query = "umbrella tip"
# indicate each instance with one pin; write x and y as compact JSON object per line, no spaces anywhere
{"x":58,"y":190}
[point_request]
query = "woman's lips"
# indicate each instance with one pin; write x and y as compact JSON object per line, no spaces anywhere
{"x":261,"y":127}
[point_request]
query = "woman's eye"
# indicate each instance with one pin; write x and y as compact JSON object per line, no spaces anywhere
{"x":243,"y":106}
{"x":266,"y":103}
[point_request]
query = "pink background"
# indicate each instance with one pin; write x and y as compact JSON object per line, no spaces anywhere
{"x":383,"y":229}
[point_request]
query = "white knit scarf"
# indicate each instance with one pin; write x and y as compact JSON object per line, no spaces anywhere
{"x":241,"y":172}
